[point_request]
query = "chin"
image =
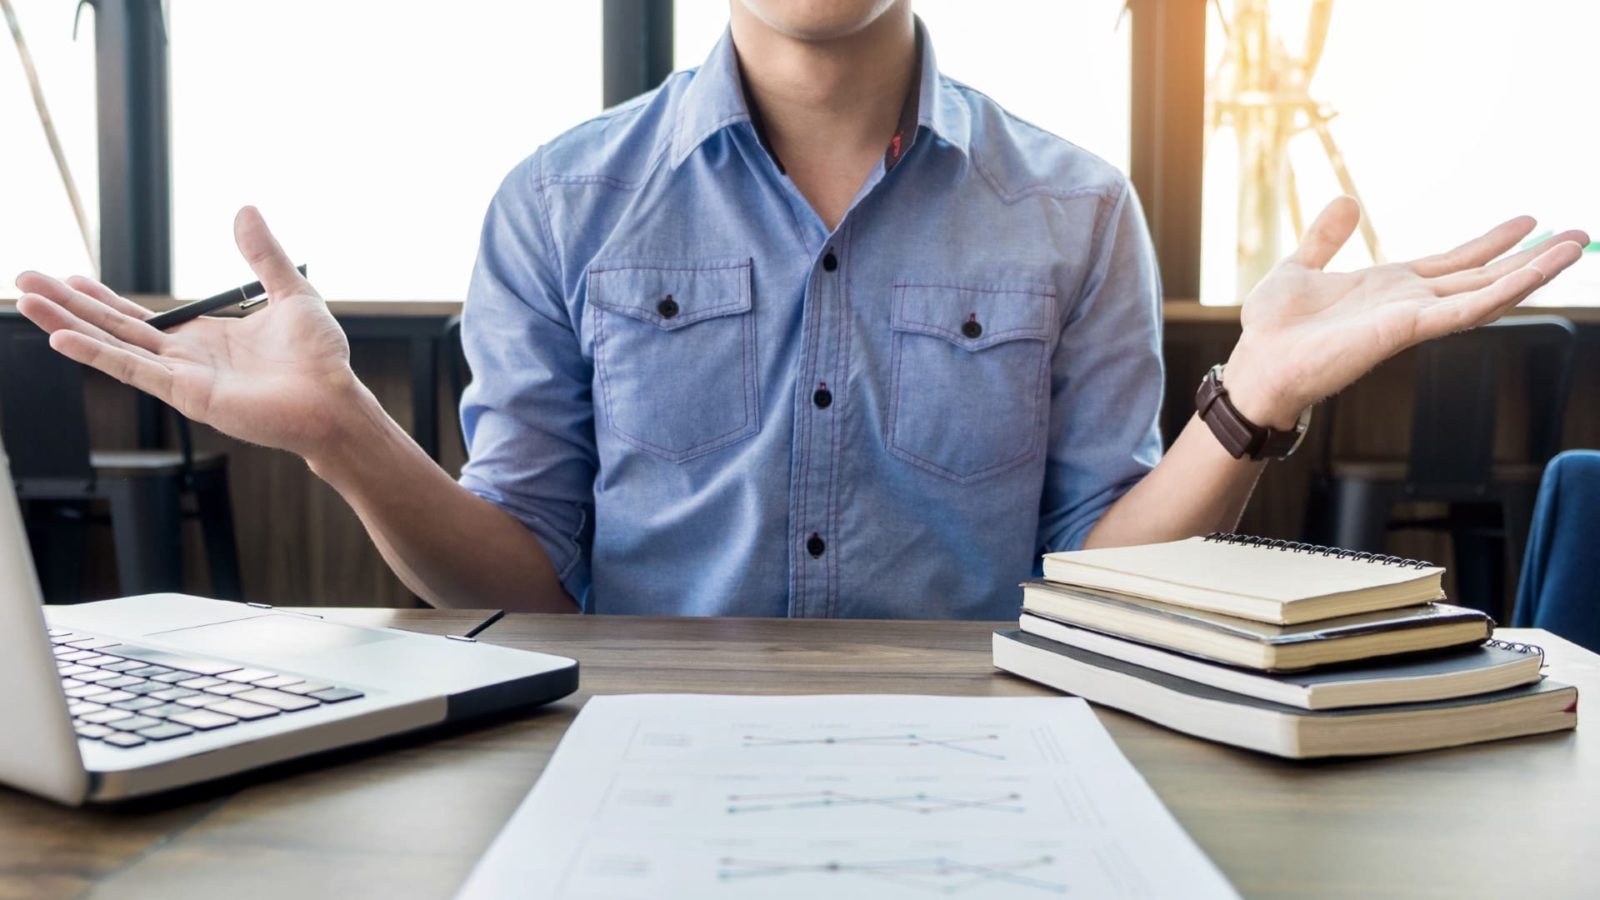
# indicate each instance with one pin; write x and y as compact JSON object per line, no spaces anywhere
{"x":818,"y":20}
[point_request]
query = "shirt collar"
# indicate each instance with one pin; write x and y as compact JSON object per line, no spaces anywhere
{"x":715,"y":99}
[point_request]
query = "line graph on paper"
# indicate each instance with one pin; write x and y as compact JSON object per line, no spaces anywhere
{"x":934,"y":875}
{"x":981,"y":745}
{"x":914,"y":802}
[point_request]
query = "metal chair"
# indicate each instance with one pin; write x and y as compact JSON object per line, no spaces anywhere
{"x":61,"y":480}
{"x":1489,"y":504}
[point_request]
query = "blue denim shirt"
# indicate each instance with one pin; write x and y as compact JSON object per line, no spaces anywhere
{"x":703,"y":402}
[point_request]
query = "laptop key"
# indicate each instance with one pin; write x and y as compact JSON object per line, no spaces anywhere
{"x":242,"y":709}
{"x":94,"y":675}
{"x":245,"y":676}
{"x":84,"y":707}
{"x":83,"y":691}
{"x":110,"y":697}
{"x":277,"y":681}
{"x":203,"y":719}
{"x":68,"y":684}
{"x":167,"y":710}
{"x":136,"y":704}
{"x":121,"y":681}
{"x":305,"y":687}
{"x":199,"y":700}
{"x":67,"y":670}
{"x":99,"y":659}
{"x":133,"y":724}
{"x":73,"y":654}
{"x":147,"y":687}
{"x":93,"y":731}
{"x":204,"y":681}
{"x":124,"y":665}
{"x":173,"y":693}
{"x":229,"y":689}
{"x":149,"y":671}
{"x":106,"y":716}
{"x":172,"y":677}
{"x":123,"y":739}
{"x":166,"y":731}
{"x":337,"y":695}
{"x":285,"y":702}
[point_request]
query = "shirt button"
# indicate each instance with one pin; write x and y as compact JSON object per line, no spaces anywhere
{"x":815,"y":545}
{"x":829,"y":262}
{"x":823,"y":398}
{"x":668,"y":307}
{"x":972,"y":329}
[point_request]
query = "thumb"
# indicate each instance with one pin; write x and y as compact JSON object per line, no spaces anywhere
{"x":266,"y":258}
{"x":1332,"y":227}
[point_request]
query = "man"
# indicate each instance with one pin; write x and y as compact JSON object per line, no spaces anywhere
{"x":812,"y":331}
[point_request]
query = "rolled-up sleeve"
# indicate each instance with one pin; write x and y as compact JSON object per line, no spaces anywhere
{"x":528,"y":416}
{"x":1106,"y":381}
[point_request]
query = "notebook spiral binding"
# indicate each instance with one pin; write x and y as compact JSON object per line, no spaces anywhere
{"x":1246,"y":540}
{"x":1515,"y":646}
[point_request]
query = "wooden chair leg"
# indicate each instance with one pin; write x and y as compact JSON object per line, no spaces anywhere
{"x":146,"y":519}
{"x":216,"y":522}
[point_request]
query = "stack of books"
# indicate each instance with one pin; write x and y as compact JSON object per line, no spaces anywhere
{"x":1291,"y":649}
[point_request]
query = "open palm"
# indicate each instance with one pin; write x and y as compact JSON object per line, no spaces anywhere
{"x":276,"y":378}
{"x":1309,"y":333}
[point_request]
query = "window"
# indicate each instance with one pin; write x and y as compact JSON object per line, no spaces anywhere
{"x":40,"y":229}
{"x":1446,"y":117}
{"x":1062,"y":66}
{"x":371,"y":133}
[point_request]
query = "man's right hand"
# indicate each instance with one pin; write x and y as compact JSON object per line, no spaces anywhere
{"x":280,"y":377}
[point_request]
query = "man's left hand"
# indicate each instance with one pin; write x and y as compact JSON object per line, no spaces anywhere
{"x":1308,"y":333}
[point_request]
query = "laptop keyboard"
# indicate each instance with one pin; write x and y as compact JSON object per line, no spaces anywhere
{"x":124,"y":695}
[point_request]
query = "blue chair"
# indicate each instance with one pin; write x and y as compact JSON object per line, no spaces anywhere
{"x":1560,"y":587}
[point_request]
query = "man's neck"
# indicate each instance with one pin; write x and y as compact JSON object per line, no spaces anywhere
{"x":829,"y":108}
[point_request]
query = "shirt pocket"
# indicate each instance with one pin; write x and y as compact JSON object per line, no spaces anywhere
{"x":675,"y":354}
{"x":970,"y":377}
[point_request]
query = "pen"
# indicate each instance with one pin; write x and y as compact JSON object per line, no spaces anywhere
{"x":244,"y":296}
{"x":483,"y":626}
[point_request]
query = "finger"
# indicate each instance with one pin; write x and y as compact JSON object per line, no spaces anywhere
{"x":109,"y":320}
{"x":266,"y":258}
{"x":86,"y":285}
{"x":52,"y":317}
{"x":1328,"y":232}
{"x":142,"y":372}
{"x":1472,"y":279}
{"x":1477,"y":251}
{"x":1464,"y":311}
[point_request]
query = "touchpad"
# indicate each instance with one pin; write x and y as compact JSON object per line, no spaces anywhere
{"x":272,"y":635}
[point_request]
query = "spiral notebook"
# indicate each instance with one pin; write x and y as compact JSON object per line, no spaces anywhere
{"x":1281,"y":582}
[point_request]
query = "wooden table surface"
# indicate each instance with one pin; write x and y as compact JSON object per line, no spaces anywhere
{"x":1514,"y":818}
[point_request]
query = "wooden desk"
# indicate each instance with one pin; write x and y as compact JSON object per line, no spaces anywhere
{"x":1517,"y":818}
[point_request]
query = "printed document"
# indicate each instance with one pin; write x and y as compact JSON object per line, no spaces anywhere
{"x":665,"y":796}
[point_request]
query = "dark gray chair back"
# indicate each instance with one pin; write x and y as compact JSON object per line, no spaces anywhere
{"x":1457,"y":396}
{"x":42,"y":414}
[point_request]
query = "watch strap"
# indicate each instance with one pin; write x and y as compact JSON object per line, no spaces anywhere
{"x":1237,"y":434}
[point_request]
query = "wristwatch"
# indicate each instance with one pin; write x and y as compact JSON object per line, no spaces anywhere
{"x":1240,"y":436}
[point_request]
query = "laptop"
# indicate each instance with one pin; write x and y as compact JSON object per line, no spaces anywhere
{"x":116,"y":699}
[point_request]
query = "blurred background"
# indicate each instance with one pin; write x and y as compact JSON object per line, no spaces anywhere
{"x":372,"y":135}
